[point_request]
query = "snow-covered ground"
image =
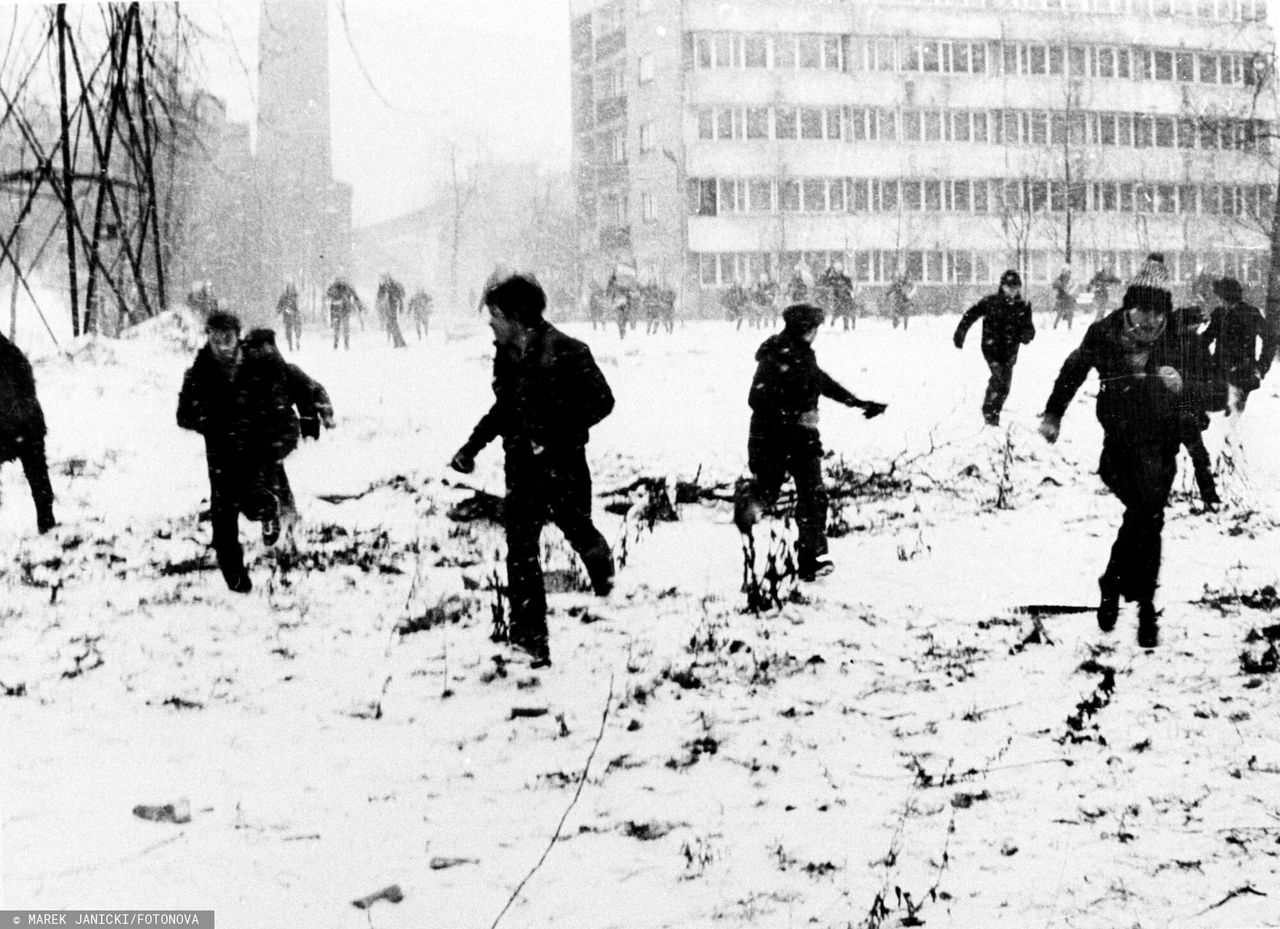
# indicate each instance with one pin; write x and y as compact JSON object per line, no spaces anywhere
{"x":901,"y":743}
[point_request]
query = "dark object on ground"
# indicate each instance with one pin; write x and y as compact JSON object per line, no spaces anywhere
{"x":391,"y":893}
{"x":481,"y":505}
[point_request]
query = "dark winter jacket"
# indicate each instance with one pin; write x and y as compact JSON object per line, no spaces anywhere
{"x":261,"y":410}
{"x":1006,"y":325}
{"x":1232,"y":337}
{"x":343,"y":300}
{"x":1191,"y":357}
{"x":21,"y":418}
{"x":788,"y":383}
{"x":551,"y":395}
{"x":1124,"y":402}
{"x":287,"y":305}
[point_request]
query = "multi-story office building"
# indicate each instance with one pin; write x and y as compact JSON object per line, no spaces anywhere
{"x":718,"y":140}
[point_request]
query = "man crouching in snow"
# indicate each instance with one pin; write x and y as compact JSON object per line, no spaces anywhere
{"x":22,"y":428}
{"x":1139,"y":408}
{"x":548,"y":392}
{"x":241,"y":397}
{"x":784,"y":434}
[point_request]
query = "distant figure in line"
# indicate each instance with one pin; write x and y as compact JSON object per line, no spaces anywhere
{"x":1007,"y":325}
{"x":420,"y":310}
{"x":290,"y":316}
{"x":22,"y":429}
{"x":343,"y":301}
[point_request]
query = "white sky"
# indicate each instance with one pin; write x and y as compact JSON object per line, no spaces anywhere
{"x":486,"y":75}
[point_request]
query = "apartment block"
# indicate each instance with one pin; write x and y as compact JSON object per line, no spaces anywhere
{"x":720,"y":140}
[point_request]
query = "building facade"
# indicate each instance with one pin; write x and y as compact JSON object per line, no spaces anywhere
{"x":306,"y":213}
{"x":722,"y":140}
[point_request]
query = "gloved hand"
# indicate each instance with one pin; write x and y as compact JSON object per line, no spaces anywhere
{"x":1050,"y":426}
{"x":309,"y":426}
{"x":463,"y":462}
{"x":809,"y":419}
{"x":959,"y":341}
{"x":871,"y":409}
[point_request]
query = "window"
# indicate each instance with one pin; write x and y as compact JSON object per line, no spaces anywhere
{"x":832,"y":53}
{"x":981,"y":199}
{"x":960,"y":127}
{"x":1163,"y":66}
{"x":1185,"y":66}
{"x":858,"y":124}
{"x":980,"y":127}
{"x":727,"y":124}
{"x":755,"y":51}
{"x":1164,"y":131}
{"x":1077,"y":61}
{"x":760,"y":195}
{"x":809,"y":51}
{"x":789,"y":195}
{"x":647,"y":137}
{"x":648,"y":212}
{"x":646,"y":68}
{"x":978,"y":58}
{"x":960,"y":196}
{"x":889,"y":198}
{"x":1208,"y":69}
{"x":911,"y":126}
{"x":933,"y":196}
{"x":810,"y":123}
{"x":1187,"y":198}
{"x":932,"y":126}
{"x":784,"y":123}
{"x":835,"y":195}
{"x":886,"y":55}
{"x":859,"y":195}
{"x":911,"y":196}
{"x":757,"y":123}
{"x":703,"y":51}
{"x":616,"y":148}
{"x":784,"y":51}
{"x":706,"y":124}
{"x":1104,"y":62}
{"x":707,"y":270}
{"x":887,"y":125}
{"x":702,"y":196}
{"x":1142,"y":135}
{"x":1186,"y":132}
{"x":835,"y":123}
{"x":815,"y":195}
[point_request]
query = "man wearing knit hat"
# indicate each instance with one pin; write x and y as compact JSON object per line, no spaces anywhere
{"x":1006,"y":326}
{"x":1241,"y":344}
{"x":1139,"y":409}
{"x":784,"y":434}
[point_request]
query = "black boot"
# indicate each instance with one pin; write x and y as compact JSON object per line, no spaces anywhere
{"x":1148,"y":625}
{"x":1108,"y":605}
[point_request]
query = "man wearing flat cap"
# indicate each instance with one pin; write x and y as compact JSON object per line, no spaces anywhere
{"x":548,"y":394}
{"x":1139,"y":407}
{"x":1241,"y":345}
{"x":784,"y":434}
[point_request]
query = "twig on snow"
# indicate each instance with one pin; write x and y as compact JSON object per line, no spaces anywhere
{"x":555,"y":836}
{"x":1238,"y":892}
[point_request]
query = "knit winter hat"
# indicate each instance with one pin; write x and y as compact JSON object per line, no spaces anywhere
{"x":1149,"y":289}
{"x":801,"y":317}
{"x":1012,"y":278}
{"x":1153,"y":273}
{"x":222,"y":321}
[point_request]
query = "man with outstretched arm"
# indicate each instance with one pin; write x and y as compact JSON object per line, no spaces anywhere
{"x":784,"y":434}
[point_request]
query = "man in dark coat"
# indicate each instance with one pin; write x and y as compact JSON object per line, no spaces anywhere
{"x":22,"y":429}
{"x":548,"y":394}
{"x":290,"y":316}
{"x":420,"y":309}
{"x":735,"y":301}
{"x":1241,"y":345}
{"x":390,"y":303}
{"x":242,"y":398}
{"x":1006,"y":326}
{"x":1101,"y":283}
{"x":1139,"y":406}
{"x":784,"y":434}
{"x":901,"y":296}
{"x":343,"y":301}
{"x":840,"y":286}
{"x":1198,"y":394}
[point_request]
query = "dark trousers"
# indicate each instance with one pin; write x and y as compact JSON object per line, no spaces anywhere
{"x":554,"y":486}
{"x":258,"y":489}
{"x":1139,"y":469}
{"x":293,"y":330}
{"x":775,"y":452}
{"x":30,"y":451}
{"x":1193,"y":425}
{"x":997,"y":387}
{"x":342,"y":324}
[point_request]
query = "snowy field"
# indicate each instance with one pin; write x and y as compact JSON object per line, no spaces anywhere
{"x":901,"y":744}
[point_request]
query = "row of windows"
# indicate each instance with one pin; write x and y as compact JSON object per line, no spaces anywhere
{"x":943,"y":56}
{"x":840,"y":52}
{"x":717,"y":196}
{"x":963,"y":266}
{"x":1014,"y":127}
{"x":1229,"y":10}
